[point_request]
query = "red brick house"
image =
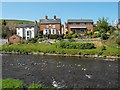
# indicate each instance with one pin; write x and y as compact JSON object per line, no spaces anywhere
{"x":14,"y":39}
{"x":80,"y":25}
{"x":50,"y":26}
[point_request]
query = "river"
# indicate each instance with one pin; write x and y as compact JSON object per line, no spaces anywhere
{"x":68,"y":71}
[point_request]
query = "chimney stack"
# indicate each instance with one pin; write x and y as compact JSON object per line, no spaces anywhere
{"x":54,"y":17}
{"x":35,"y":22}
{"x":46,"y":17}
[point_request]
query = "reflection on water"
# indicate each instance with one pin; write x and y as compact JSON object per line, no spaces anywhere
{"x":61,"y":71}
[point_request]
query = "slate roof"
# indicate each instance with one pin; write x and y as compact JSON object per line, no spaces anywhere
{"x":79,"y":20}
{"x":50,"y":21}
{"x":24,"y":25}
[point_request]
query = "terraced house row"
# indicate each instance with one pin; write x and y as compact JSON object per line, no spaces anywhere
{"x":54,"y":26}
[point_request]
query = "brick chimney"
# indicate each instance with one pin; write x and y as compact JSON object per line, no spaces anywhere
{"x":54,"y":17}
{"x":35,"y":22}
{"x":46,"y":17}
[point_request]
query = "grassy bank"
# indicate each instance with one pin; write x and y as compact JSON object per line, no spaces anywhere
{"x":47,"y":48}
{"x":15,"y":84}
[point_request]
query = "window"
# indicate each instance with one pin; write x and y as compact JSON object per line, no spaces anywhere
{"x":28,"y":33}
{"x":14,"y":38}
{"x":46,"y":26}
{"x":49,"y":31}
{"x":53,"y":26}
{"x":82,"y":24}
{"x":18,"y":33}
{"x":46,"y":32}
{"x":73,"y":24}
{"x":89,"y":24}
{"x":53,"y":31}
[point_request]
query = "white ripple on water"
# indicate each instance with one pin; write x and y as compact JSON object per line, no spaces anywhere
{"x":78,"y":65}
{"x":88,"y":76}
{"x":84,"y":69}
{"x":11,"y":64}
{"x":58,"y":84}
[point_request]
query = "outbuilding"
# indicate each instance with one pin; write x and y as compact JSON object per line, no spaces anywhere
{"x":14,"y":39}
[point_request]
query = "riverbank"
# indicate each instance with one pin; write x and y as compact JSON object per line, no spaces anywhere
{"x":108,"y":58}
{"x":47,"y":49}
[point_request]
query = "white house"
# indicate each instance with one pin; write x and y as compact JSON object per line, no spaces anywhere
{"x":27,"y":31}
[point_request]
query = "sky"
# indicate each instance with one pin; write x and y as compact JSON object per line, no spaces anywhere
{"x":64,"y":10}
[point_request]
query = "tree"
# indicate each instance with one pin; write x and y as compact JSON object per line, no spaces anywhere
{"x":118,"y":40}
{"x":6,"y":32}
{"x":104,"y":36}
{"x":102,"y":25}
{"x":4,"y":22}
{"x":40,"y":33}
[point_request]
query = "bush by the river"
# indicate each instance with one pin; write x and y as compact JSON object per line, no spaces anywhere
{"x":73,"y":45}
{"x":36,"y":86}
{"x":15,"y":84}
{"x":12,"y":84}
{"x":32,"y":40}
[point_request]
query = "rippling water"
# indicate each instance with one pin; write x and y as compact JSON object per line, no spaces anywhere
{"x":67,"y":71}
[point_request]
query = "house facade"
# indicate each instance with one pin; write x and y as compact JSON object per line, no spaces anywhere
{"x":26,"y":31}
{"x":64,"y":28}
{"x":80,"y":25}
{"x":50,"y":26}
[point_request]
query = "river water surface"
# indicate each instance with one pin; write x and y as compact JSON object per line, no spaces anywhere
{"x":68,"y":71}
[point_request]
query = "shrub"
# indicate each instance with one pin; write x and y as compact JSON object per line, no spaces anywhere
{"x":67,"y":36}
{"x":118,"y":40}
{"x":71,"y":40}
{"x":23,"y":42}
{"x":53,"y":36}
{"x":32,"y":40}
{"x":71,"y":32}
{"x":36,"y":87}
{"x":96,"y":34}
{"x":12,"y":83}
{"x":70,"y":45}
{"x":104,"y":36}
{"x":75,"y":36}
{"x":103,"y":48}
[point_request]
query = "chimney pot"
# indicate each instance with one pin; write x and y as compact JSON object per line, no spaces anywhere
{"x":46,"y":17}
{"x":55,"y":17}
{"x":35,"y":22}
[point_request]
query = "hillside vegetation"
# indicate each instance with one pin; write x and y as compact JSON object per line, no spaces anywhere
{"x":7,"y":27}
{"x":11,"y":24}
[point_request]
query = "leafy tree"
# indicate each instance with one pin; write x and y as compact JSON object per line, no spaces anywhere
{"x":40,"y":33}
{"x":4,"y":22}
{"x":6,"y":32}
{"x":118,"y":40}
{"x":104,"y":36}
{"x":102,"y":25}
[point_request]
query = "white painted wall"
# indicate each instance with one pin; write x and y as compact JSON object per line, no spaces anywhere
{"x":51,"y":31}
{"x":23,"y":32}
{"x":20,"y":32}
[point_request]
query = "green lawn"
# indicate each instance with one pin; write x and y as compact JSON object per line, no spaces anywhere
{"x":46,"y":48}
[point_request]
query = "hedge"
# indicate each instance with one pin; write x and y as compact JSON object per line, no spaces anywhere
{"x":73,"y":45}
